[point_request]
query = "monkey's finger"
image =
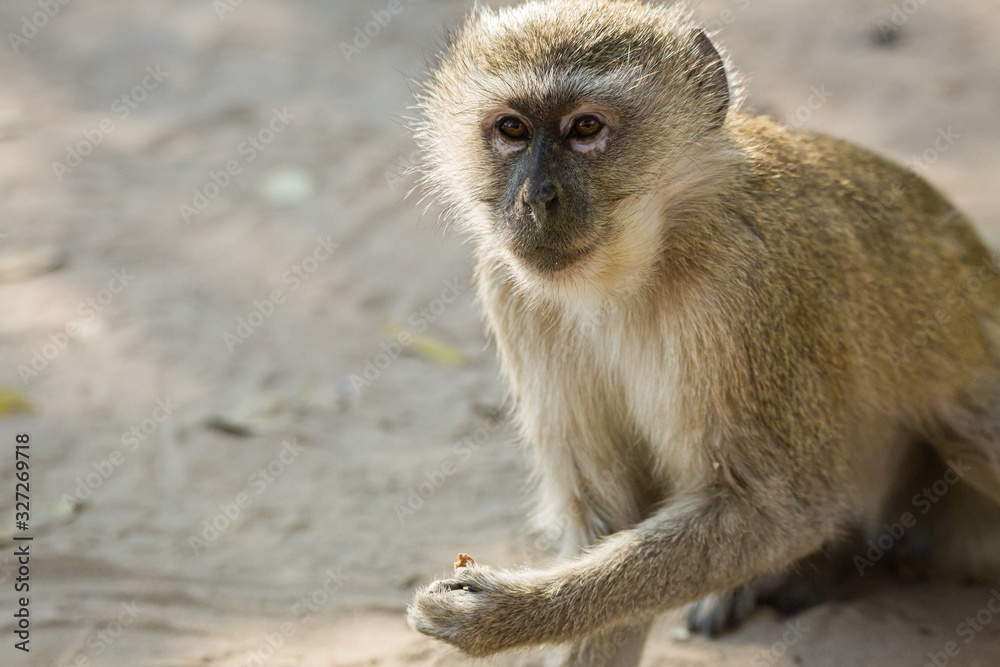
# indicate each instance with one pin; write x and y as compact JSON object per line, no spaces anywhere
{"x":448,"y":585}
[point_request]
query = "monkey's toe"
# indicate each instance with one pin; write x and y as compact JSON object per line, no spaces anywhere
{"x":721,"y":612}
{"x":786,"y":593}
{"x":796,"y":596}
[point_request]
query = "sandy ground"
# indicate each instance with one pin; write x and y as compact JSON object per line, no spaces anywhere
{"x":211,"y":492}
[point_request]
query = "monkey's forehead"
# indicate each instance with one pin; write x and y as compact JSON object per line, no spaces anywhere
{"x":596,"y":36}
{"x":545,"y":94}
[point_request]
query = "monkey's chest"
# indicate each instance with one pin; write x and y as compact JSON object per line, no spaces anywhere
{"x":616,"y":426}
{"x":648,"y":379}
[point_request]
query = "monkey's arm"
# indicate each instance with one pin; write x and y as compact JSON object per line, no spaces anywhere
{"x":687,"y":550}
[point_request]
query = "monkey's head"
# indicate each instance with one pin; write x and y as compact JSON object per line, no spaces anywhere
{"x":557,"y":132}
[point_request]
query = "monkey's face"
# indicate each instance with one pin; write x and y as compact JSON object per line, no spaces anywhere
{"x":542,"y":196}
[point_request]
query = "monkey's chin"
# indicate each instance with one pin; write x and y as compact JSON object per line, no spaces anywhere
{"x":574,"y":279}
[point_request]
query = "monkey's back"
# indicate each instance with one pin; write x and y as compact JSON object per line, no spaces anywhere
{"x":893,"y":266}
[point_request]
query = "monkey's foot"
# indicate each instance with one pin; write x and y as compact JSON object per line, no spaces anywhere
{"x":721,"y":612}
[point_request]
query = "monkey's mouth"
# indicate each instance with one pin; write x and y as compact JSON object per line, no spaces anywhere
{"x":551,"y":260}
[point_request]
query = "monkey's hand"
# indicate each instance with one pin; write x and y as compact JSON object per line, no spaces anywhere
{"x":481,"y":611}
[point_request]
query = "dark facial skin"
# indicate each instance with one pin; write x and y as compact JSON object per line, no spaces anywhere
{"x":544,"y":207}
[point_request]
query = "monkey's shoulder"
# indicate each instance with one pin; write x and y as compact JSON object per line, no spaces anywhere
{"x":809,"y":182}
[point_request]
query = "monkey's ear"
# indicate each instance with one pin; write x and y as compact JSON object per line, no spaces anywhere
{"x":712,"y":77}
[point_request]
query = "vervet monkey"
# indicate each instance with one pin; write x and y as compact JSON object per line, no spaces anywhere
{"x":770,"y":337}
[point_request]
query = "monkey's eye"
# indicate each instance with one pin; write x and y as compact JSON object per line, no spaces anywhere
{"x":513,"y":128}
{"x":586,"y":126}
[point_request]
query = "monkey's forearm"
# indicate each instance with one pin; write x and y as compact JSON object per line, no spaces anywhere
{"x":684,"y":552}
{"x":687,"y":550}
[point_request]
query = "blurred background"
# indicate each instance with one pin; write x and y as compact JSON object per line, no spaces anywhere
{"x":207,"y":263}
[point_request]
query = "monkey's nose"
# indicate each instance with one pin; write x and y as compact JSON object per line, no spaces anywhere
{"x":542,"y":200}
{"x":546,"y":195}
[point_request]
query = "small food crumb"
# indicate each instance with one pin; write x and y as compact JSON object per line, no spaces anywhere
{"x":464,"y":560}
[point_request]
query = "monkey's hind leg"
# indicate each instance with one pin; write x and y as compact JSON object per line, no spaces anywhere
{"x":962,"y":529}
{"x":960,"y":535}
{"x":970,"y":437}
{"x":807,"y":585}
